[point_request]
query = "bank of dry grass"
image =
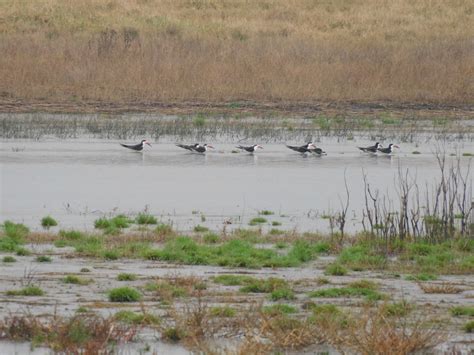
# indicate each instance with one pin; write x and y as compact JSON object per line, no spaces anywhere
{"x":214,"y":51}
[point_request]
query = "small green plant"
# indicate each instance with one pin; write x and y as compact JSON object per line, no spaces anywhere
{"x":335,"y":270}
{"x":48,"y":222}
{"x":113,"y":224}
{"x":282,"y":294}
{"x":265,"y":213}
{"x":144,"y":218}
{"x":226,"y":312}
{"x":415,"y":152}
{"x":463,"y":311}
{"x":111,"y":254}
{"x":27,"y":291}
{"x":22,"y":252}
{"x":200,"y":229}
{"x":164,"y":229}
{"x":211,"y":238}
{"x":397,"y":309}
{"x":467,"y":155}
{"x":279,"y":309}
{"x":126,"y":277}
{"x":85,"y":269}
{"x":276,"y":223}
{"x":43,"y":259}
{"x":76,"y":280}
{"x":71,"y":235}
{"x":8,"y":259}
{"x":275,"y":231}
{"x":233,"y":280}
{"x":469,"y":327}
{"x":137,"y":318}
{"x":173,"y":334}
{"x":257,"y":220}
{"x":82,"y":309}
{"x":421,"y":277}
{"x":124,"y":294}
{"x":281,"y":245}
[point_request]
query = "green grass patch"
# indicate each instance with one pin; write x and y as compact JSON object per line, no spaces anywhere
{"x":361,"y":288}
{"x":282,"y":294}
{"x":335,"y":269}
{"x":469,"y":327}
{"x":144,"y":218}
{"x":397,"y":309}
{"x":44,"y":259}
{"x":467,"y":154}
{"x":275,"y":231}
{"x":226,"y":312}
{"x":279,"y":309}
{"x":71,"y":235}
{"x":211,"y":238}
{"x":164,"y":230}
{"x":361,"y":257}
{"x":12,"y":236}
{"x":8,"y":259}
{"x":124,"y":294}
{"x":112,"y":225}
{"x":276,"y":223}
{"x":126,"y":277}
{"x":233,"y":280}
{"x":265,"y":213}
{"x":200,"y":229}
{"x":48,"y":222}
{"x":131,"y":317}
{"x":234,"y":253}
{"x":27,"y":291}
{"x":257,"y":220}
{"x":421,"y":277}
{"x":20,"y":251}
{"x":462,"y":311}
{"x":76,"y":280}
{"x":265,"y":286}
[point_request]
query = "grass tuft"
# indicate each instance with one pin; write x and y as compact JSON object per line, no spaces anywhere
{"x":144,"y":218}
{"x":124,"y":294}
{"x":27,"y":291}
{"x":8,"y":259}
{"x":126,"y":277}
{"x":257,"y":220}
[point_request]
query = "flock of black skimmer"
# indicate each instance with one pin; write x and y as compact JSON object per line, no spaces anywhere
{"x":308,"y":148}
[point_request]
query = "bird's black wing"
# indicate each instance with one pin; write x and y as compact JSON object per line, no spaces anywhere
{"x":138,"y":146}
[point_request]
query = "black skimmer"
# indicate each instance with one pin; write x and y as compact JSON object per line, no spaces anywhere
{"x":389,"y":149}
{"x":196,"y":147}
{"x":307,"y":148}
{"x":318,"y":151}
{"x":137,"y":147}
{"x":371,"y":149}
{"x":250,"y":149}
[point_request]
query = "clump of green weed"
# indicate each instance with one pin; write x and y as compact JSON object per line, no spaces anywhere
{"x":335,"y":269}
{"x":257,"y":220}
{"x":48,"y":221}
{"x":144,"y":218}
{"x":469,"y":327}
{"x":126,"y":277}
{"x":173,"y":334}
{"x":276,"y":223}
{"x":282,"y":294}
{"x":233,"y":280}
{"x":211,"y":238}
{"x":71,"y":235}
{"x":421,"y":277}
{"x":124,"y":294}
{"x":43,"y":259}
{"x":85,"y":269}
{"x":111,"y":225}
{"x":275,"y":231}
{"x":361,"y":288}
{"x":200,"y":229}
{"x":76,"y":280}
{"x":111,"y":254}
{"x":131,"y":317}
{"x":397,"y":309}
{"x":360,"y":257}
{"x":227,"y":312}
{"x":27,"y":291}
{"x":22,"y":252}
{"x":14,"y":233}
{"x":164,"y":230}
{"x":265,"y":213}
{"x":279,"y":309}
{"x":8,"y":259}
{"x":463,"y":311}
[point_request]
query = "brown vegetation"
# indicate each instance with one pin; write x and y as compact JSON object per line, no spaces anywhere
{"x":225,"y":51}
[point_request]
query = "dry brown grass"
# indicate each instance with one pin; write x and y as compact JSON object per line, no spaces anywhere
{"x":373,"y":332}
{"x":444,"y":287}
{"x":209,"y":50}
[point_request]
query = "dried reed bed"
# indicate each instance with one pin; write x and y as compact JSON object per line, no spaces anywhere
{"x":214,"y":51}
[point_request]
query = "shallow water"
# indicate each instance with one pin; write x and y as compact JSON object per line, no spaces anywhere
{"x":76,"y":181}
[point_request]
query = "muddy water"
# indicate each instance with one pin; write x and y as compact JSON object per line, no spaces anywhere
{"x":79,"y":180}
